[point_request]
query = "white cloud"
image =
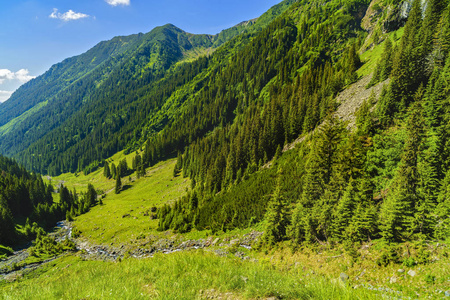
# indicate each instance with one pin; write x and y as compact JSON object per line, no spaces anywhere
{"x":70,"y":15}
{"x":118,"y":2}
{"x":4,"y":95}
{"x":23,"y":75}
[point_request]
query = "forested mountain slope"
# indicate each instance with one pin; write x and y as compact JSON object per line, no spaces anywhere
{"x":25,"y":196}
{"x":227,"y":114}
{"x":75,"y":84}
{"x":386,"y":179}
{"x":110,"y":84}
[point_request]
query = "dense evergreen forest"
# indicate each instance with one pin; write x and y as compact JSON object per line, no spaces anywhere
{"x":388,"y":178}
{"x":228,"y":115}
{"x":91,"y":106}
{"x":25,"y":196}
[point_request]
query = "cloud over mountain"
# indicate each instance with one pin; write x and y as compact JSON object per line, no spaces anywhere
{"x":4,"y":95}
{"x":23,"y":75}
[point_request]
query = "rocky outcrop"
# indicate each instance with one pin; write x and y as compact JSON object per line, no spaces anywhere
{"x":352,"y":98}
{"x":372,"y":14}
{"x":398,"y":15}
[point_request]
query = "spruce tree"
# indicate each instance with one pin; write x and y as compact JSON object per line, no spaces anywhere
{"x":386,"y":60}
{"x":118,"y":183}
{"x":442,"y":38}
{"x":7,"y":228}
{"x":364,"y":122}
{"x":113,"y":170}
{"x":345,"y":210}
{"x":107,"y":171}
{"x":91,"y":195}
{"x":398,"y":213}
{"x":442,"y":210}
{"x":277,"y":217}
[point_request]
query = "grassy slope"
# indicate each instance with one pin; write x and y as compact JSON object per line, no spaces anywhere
{"x":190,"y":275}
{"x":11,"y":125}
{"x":121,"y":219}
{"x":370,"y":57}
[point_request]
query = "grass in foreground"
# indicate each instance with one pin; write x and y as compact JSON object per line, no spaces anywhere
{"x":182,"y":275}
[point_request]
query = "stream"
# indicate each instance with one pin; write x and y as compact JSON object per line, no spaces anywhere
{"x":9,"y":269}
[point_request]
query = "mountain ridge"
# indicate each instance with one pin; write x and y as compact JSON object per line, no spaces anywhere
{"x":68,"y":86}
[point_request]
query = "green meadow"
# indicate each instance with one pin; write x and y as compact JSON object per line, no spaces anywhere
{"x":188,"y":275}
{"x":124,"y":217}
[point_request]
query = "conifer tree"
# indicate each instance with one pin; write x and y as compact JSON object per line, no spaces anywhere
{"x":113,"y":170}
{"x":118,"y":183}
{"x":7,"y":228}
{"x":353,"y":62}
{"x":434,"y":9}
{"x":107,"y":171}
{"x":179,"y":165}
{"x":442,"y":38}
{"x":65,"y":198}
{"x":364,"y":121}
{"x":345,"y":210}
{"x":363,"y":225}
{"x":277,"y":217}
{"x":91,"y":195}
{"x":123,"y":167}
{"x":386,"y":60}
{"x":442,"y":210}
{"x":398,"y":211}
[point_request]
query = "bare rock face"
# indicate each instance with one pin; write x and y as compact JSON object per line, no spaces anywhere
{"x":398,"y":15}
{"x":372,"y":13}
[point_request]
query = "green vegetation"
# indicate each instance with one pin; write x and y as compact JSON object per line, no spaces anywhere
{"x":126,"y":216}
{"x":380,"y":182}
{"x":139,"y":71}
{"x":370,"y":197}
{"x":5,"y":252}
{"x":25,"y":196}
{"x":45,"y":246}
{"x":4,"y":129}
{"x":188,"y":275}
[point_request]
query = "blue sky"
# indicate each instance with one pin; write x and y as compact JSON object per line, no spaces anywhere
{"x":35,"y":34}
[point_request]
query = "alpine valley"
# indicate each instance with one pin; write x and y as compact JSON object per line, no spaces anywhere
{"x":304,"y":154}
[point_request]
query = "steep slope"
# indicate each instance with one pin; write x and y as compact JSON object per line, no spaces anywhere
{"x":388,"y":179}
{"x":49,"y":115}
{"x":68,"y":87}
{"x":62,"y":75}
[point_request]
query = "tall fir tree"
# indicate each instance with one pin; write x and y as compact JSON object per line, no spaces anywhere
{"x":398,"y":214}
{"x":277,"y":216}
{"x":118,"y":187}
{"x":106,"y":171}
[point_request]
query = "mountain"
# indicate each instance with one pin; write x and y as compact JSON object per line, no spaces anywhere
{"x":63,"y":90}
{"x":97,"y":82}
{"x":230,"y":106}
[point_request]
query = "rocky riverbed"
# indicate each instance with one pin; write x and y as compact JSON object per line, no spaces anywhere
{"x":13,"y":267}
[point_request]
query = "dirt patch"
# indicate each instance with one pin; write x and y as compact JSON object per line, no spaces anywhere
{"x":215,"y":294}
{"x":351,"y":99}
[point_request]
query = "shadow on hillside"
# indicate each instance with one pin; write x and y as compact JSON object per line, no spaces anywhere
{"x":126,"y":187}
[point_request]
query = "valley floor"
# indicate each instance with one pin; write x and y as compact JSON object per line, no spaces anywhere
{"x":121,"y":256}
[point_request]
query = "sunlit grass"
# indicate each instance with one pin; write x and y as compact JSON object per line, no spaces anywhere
{"x":186,"y":275}
{"x":126,"y":216}
{"x":371,"y":57}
